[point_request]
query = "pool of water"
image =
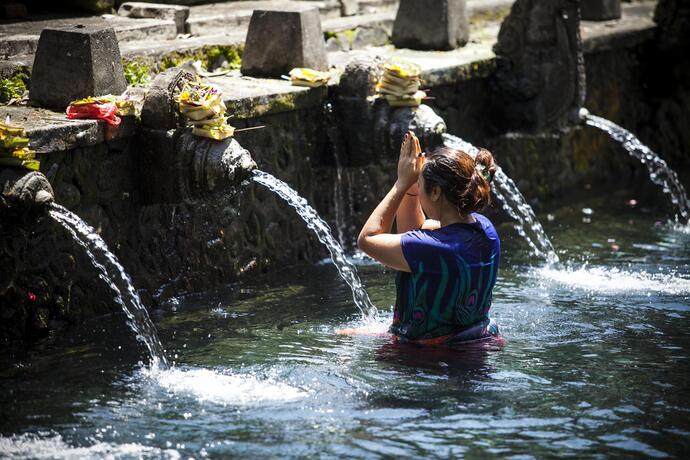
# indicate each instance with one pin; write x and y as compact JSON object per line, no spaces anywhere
{"x":595,"y":363}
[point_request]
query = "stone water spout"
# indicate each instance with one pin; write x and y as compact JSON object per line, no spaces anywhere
{"x":359,"y":113}
{"x":176,"y":164}
{"x":23,"y":195}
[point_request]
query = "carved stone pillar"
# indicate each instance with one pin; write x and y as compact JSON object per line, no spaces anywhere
{"x":540,"y":78}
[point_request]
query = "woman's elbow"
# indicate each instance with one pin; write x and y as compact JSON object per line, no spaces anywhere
{"x":363,"y":242}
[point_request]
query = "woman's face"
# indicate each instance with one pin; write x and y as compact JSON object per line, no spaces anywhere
{"x":426,"y":201}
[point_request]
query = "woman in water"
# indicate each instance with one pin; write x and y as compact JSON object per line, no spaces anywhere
{"x":447,"y":262}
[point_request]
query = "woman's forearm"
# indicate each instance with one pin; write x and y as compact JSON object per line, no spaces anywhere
{"x":409,"y":215}
{"x":381,"y":219}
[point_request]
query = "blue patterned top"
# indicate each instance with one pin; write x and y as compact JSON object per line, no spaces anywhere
{"x":454,"y":270}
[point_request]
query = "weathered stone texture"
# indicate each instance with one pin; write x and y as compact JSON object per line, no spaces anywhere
{"x":278,"y":41}
{"x":176,"y":13}
{"x":160,"y":107}
{"x":673,"y":18}
{"x":349,"y":7}
{"x":188,"y":166}
{"x":600,"y":10}
{"x":431,"y":24}
{"x":74,"y":62}
{"x":539,"y":81}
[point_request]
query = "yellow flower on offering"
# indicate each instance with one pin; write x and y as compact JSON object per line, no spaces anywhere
{"x":108,"y":98}
{"x":204,"y":109}
{"x":13,"y":142}
{"x":402,"y":69}
{"x":24,"y":154}
{"x":300,"y":76}
{"x":9,"y":130}
{"x":14,"y":148}
{"x":125,"y":107}
{"x":198,"y":101}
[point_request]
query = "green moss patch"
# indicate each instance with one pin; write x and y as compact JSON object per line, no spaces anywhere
{"x":210,"y":57}
{"x":137,"y":71}
{"x":14,"y":86}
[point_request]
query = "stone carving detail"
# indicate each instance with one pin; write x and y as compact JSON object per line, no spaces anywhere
{"x":540,"y":80}
{"x":160,"y":107}
{"x":189,"y":166}
{"x":22,"y":195}
{"x":371,"y":128}
{"x":393,"y":123}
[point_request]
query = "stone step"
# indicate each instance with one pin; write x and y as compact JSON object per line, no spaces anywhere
{"x":207,"y":18}
{"x":22,"y":37}
{"x":381,"y":16}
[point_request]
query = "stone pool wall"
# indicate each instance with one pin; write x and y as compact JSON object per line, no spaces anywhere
{"x":198,"y":243}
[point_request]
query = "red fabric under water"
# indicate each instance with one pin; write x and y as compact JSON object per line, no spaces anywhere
{"x":103,"y":111}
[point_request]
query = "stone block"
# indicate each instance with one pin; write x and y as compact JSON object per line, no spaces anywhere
{"x":349,"y":7}
{"x":369,"y":36}
{"x":74,"y":62}
{"x":177,"y":13}
{"x":431,"y":24}
{"x":280,"y":40}
{"x":600,"y":10}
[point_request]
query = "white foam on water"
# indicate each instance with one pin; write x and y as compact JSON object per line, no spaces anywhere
{"x":370,"y":326}
{"x":223,"y":388}
{"x":616,"y":281}
{"x":50,"y":445}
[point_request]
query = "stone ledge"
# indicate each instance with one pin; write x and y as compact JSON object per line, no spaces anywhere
{"x":54,"y":132}
{"x":237,"y":14}
{"x":635,"y":26}
{"x":247,"y":97}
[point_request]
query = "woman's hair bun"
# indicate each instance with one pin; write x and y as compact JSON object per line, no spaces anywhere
{"x":486,"y":161}
{"x":464,"y":180}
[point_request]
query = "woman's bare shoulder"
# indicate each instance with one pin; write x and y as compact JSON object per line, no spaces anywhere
{"x":431,"y":224}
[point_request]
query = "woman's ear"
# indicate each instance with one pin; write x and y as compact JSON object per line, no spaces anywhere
{"x":435,"y":193}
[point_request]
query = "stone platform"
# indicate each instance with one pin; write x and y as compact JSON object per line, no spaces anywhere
{"x":248,"y":97}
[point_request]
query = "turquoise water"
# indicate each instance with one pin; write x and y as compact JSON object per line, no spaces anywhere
{"x":595,"y":364}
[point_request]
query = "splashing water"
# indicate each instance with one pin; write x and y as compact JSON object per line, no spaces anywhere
{"x":514,"y":204}
{"x":223,"y":386}
{"x":607,"y":280}
{"x":117,"y":279}
{"x":51,"y":445}
{"x":659,"y":172}
{"x":323,"y":232}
